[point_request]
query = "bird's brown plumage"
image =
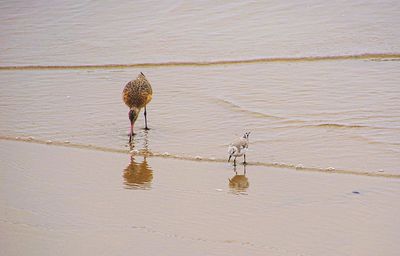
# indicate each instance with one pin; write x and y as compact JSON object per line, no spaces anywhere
{"x":137,"y":93}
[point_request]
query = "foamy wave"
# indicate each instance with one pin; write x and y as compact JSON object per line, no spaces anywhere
{"x":147,"y":153}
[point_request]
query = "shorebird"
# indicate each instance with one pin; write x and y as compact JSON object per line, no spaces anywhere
{"x":239,"y":148}
{"x":136,"y":95}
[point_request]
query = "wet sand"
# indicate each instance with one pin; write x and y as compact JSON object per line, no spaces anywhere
{"x":69,"y":201}
{"x":316,"y":84}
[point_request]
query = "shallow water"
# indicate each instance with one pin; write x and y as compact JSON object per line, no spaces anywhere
{"x":318,"y":114}
{"x":341,"y":113}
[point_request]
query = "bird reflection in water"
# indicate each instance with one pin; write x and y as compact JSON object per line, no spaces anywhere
{"x":138,"y":175}
{"x":239,"y":183}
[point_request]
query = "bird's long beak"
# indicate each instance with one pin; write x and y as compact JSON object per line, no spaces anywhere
{"x":229,"y":159}
{"x":131,"y":134}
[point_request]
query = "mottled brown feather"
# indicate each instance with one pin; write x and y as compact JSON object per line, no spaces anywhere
{"x":137,"y":93}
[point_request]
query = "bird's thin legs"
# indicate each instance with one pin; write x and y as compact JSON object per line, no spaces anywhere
{"x":234,"y":161}
{"x":244,"y":162}
{"x":145,"y":118}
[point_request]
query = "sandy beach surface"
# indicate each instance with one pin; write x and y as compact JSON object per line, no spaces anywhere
{"x":68,"y":201}
{"x":315,"y":82}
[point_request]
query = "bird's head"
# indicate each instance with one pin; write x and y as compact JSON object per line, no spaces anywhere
{"x":141,"y":76}
{"x":246,"y":135}
{"x":133,"y":115}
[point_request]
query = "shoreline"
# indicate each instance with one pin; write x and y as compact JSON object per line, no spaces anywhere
{"x":299,"y":168}
{"x":363,"y":56}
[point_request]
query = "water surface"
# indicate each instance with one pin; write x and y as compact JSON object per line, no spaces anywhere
{"x":343,"y":113}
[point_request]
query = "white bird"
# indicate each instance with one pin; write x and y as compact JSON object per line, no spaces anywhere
{"x":239,"y":148}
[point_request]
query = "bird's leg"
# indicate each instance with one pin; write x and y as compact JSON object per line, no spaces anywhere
{"x":145,"y":119}
{"x":244,"y":162}
{"x":234,"y":161}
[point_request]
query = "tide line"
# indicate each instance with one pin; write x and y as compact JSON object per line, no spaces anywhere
{"x":365,"y":56}
{"x":146,"y":153}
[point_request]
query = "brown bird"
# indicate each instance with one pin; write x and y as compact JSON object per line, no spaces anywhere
{"x":136,"y":95}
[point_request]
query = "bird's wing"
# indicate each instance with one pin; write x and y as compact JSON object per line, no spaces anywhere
{"x":240,"y":143}
{"x":232,"y":150}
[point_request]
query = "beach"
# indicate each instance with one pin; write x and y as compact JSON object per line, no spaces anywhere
{"x":94,"y":202}
{"x":315,"y":83}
